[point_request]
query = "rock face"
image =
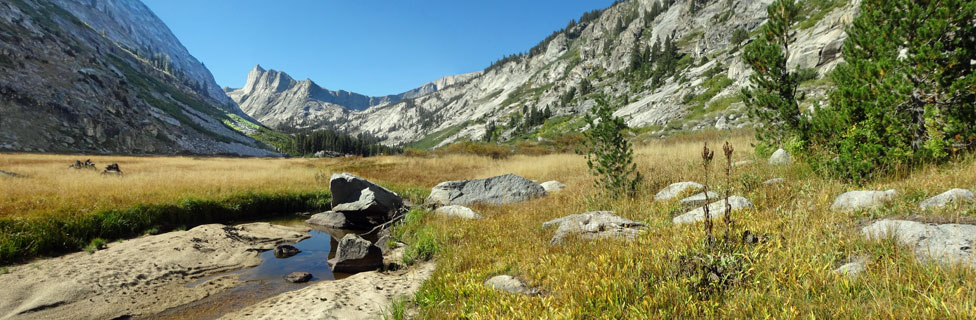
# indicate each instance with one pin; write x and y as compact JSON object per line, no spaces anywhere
{"x":355,"y":254}
{"x":945,"y":243}
{"x":780,"y":157}
{"x":298,"y":277}
{"x":676,"y":189}
{"x":510,"y":284}
{"x":698,"y":199}
{"x":594,"y":225}
{"x":860,"y":200}
{"x":358,"y":203}
{"x":715,"y":209}
{"x":552,"y":186}
{"x":596,"y":50}
{"x":458,"y":211}
{"x":283,"y":251}
{"x":956,"y":196}
{"x":75,"y":78}
{"x":504,"y":189}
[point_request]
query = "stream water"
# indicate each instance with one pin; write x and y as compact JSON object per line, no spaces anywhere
{"x":267,"y":279}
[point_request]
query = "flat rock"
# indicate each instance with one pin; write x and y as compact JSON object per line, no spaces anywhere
{"x":457,"y":211}
{"x":363,"y":203}
{"x":698,"y":199}
{"x":504,"y":189}
{"x":860,"y":200}
{"x":510,"y":284}
{"x":298,"y":277}
{"x":331,"y":219}
{"x":155,"y":271}
{"x":957,"y":196}
{"x":944,"y":243}
{"x":552,"y":186}
{"x":774,"y":181}
{"x":715,"y":209}
{"x":780,"y":157}
{"x":594,"y":225}
{"x":366,"y":295}
{"x":355,"y":254}
{"x":676,"y":189}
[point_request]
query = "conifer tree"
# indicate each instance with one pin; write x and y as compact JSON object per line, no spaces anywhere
{"x":609,"y":154}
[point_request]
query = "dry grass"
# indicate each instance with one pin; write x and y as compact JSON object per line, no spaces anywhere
{"x":791,"y":277}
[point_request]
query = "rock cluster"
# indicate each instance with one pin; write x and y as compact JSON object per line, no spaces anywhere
{"x":358,"y":203}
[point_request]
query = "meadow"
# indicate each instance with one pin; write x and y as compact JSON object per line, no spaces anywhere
{"x":788,"y":276}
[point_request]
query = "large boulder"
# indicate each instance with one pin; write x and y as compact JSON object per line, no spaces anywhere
{"x":957,"y":196}
{"x":552,"y":186}
{"x":355,"y":254}
{"x":780,"y":157}
{"x":458,"y":212}
{"x":510,"y":284}
{"x":502,"y":189}
{"x":860,"y":200}
{"x":594,"y":225}
{"x":945,"y":243}
{"x":715,"y":209}
{"x":358,"y":203}
{"x":676,"y":189}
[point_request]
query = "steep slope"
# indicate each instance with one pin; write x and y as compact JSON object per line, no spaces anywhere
{"x":69,"y":86}
{"x":605,"y":52}
{"x":276,"y":100}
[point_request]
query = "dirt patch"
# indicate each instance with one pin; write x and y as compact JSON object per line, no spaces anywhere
{"x":137,"y":277}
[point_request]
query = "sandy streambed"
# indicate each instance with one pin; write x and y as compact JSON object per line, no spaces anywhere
{"x":138,"y":277}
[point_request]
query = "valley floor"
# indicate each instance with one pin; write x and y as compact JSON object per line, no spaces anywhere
{"x":789,"y":276}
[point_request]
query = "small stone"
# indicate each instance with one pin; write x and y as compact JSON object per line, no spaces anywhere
{"x":853,"y":268}
{"x":552,"y":186}
{"x":958,"y":196}
{"x":298,"y":277}
{"x":510,"y":284}
{"x":860,"y":200}
{"x":676,"y":189}
{"x":285,"y":251}
{"x":458,"y":212}
{"x":331,"y":219}
{"x":774,"y":181}
{"x":780,"y":157}
{"x":742,"y":163}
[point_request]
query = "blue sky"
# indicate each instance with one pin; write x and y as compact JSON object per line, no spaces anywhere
{"x":368,"y":46}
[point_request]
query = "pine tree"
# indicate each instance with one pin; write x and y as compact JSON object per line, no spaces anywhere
{"x":907,"y":92}
{"x":772,"y":97}
{"x":609,"y":154}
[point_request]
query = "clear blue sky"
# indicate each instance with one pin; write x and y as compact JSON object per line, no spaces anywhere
{"x":368,"y":46}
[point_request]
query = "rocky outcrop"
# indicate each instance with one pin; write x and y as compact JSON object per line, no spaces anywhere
{"x":599,"y":50}
{"x":355,"y":254}
{"x":943,"y":243}
{"x":504,"y":189}
{"x":676,"y":189}
{"x":954,"y":196}
{"x":510,"y":284}
{"x":715,"y":210}
{"x":358,"y":203}
{"x":74,"y":78}
{"x":862,"y":200}
{"x":594,"y":225}
{"x":457,"y":212}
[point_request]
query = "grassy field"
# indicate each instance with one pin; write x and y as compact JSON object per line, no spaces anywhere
{"x":789,"y":276}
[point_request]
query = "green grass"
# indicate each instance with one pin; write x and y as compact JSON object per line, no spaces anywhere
{"x":819,"y":9}
{"x":686,"y":41}
{"x":421,"y":239}
{"x":23,"y":238}
{"x":397,"y":310}
{"x":95,"y":245}
{"x":713,"y":86}
{"x":258,"y":132}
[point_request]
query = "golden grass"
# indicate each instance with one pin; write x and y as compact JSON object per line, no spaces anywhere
{"x":791,"y":277}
